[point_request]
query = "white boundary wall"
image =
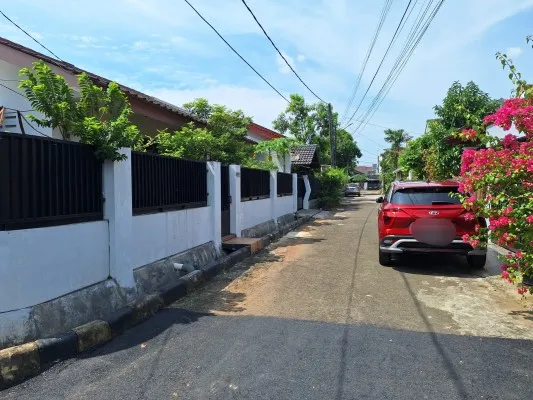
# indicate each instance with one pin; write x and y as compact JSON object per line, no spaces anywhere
{"x":38,"y":265}
{"x":246,"y":214}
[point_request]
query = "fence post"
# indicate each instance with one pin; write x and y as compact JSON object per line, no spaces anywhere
{"x":235,"y":193}
{"x":214,"y":200}
{"x":274,"y":194}
{"x":307,"y":192}
{"x":294,"y":192}
{"x":118,"y":213}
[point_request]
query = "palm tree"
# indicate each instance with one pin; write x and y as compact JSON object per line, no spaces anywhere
{"x":397,"y":138}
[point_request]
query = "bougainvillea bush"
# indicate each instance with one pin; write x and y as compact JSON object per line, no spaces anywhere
{"x":497,"y":183}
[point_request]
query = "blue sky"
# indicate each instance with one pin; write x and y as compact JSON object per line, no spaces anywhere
{"x":162,"y":48}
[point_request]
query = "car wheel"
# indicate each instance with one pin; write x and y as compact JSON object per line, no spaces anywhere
{"x":384,"y":258}
{"x":477,"y":261}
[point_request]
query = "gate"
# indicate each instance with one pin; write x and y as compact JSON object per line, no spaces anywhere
{"x":226,"y":199}
{"x":301,"y":192}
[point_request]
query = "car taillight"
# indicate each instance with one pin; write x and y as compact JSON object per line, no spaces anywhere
{"x":466,"y":224}
{"x":397,"y":218}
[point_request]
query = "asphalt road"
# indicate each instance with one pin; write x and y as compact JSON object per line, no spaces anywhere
{"x":315,"y":317}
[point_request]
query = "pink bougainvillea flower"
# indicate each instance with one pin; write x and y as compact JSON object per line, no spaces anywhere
{"x":466,"y":237}
{"x":505,"y":274}
{"x":529,"y":219}
{"x":469,"y":216}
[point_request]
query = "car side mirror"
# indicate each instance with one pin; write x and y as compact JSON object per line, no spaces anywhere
{"x":380,"y":199}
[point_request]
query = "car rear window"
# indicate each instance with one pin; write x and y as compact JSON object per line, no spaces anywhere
{"x":425,"y":196}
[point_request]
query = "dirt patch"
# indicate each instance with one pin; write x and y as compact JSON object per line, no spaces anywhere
{"x":481,"y":307}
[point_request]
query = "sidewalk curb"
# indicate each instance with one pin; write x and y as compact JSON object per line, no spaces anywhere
{"x":21,"y":362}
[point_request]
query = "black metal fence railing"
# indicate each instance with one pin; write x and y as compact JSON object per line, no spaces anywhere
{"x":161,"y":183}
{"x":47,"y":182}
{"x":315,"y":187}
{"x":255,"y":184}
{"x":284,"y":184}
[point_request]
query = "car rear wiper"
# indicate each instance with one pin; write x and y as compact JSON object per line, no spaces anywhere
{"x":441,"y":203}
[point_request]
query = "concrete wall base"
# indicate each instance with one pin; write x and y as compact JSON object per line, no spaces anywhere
{"x":61,"y":314}
{"x":313,"y":204}
{"x":97,"y":301}
{"x":266,"y":228}
{"x":150,"y":278}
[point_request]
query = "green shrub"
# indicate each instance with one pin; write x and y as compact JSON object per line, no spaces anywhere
{"x":332,"y":183}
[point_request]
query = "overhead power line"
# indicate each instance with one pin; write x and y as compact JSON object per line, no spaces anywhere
{"x":30,"y":36}
{"x":384,"y":12}
{"x":235,"y":51}
{"x":394,"y":37}
{"x":14,"y":91}
{"x":280,"y":53}
{"x":415,"y":36}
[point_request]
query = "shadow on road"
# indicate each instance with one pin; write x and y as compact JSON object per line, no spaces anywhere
{"x":446,"y":265}
{"x":228,"y":357}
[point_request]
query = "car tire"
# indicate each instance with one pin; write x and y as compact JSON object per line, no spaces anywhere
{"x":385,"y":259}
{"x":477,"y":261}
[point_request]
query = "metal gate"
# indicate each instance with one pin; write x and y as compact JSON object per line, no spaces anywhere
{"x":226,"y":199}
{"x":301,"y":192}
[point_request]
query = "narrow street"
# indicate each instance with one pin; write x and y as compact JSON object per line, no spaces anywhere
{"x":314,"y":316}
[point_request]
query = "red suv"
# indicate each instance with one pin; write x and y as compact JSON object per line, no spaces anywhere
{"x":423,"y":217}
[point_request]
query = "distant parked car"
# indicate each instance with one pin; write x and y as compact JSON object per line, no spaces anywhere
{"x":352,"y":189}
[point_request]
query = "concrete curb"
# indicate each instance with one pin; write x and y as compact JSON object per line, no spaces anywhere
{"x":24,"y":361}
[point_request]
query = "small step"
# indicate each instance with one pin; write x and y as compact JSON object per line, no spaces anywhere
{"x":228,"y":237}
{"x":236,"y":243}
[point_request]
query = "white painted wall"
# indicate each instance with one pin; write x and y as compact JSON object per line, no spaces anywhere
{"x":255,"y":212}
{"x":160,"y":235}
{"x":284,"y":205}
{"x":37,"y":265}
{"x":499,"y":132}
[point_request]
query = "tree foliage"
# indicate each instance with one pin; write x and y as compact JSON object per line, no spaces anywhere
{"x":100,"y":117}
{"x":280,"y":148}
{"x":332,"y":182}
{"x":224,"y":138}
{"x":436,"y":155}
{"x":496,"y":184}
{"x":309,"y":124}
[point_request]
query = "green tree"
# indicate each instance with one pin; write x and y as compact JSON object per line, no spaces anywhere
{"x":347,"y":150}
{"x":100,"y":117}
{"x":296,"y":120}
{"x":465,"y":107}
{"x":280,"y":147}
{"x":413,"y":157}
{"x":309,"y":124}
{"x":436,"y":155}
{"x":228,"y":130}
{"x":397,"y":139}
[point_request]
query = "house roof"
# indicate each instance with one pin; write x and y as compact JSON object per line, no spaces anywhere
{"x":99,"y":80}
{"x":260,"y":130}
{"x":304,"y":154}
{"x":364,"y":169}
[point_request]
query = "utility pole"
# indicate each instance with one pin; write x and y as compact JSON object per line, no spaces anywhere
{"x":331,"y":135}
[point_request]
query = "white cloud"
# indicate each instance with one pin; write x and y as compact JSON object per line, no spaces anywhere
{"x":300,"y":58}
{"x":514,"y":51}
{"x":282,"y":65}
{"x":261,"y":104}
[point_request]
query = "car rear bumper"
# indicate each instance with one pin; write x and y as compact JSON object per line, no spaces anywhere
{"x":407,"y":244}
